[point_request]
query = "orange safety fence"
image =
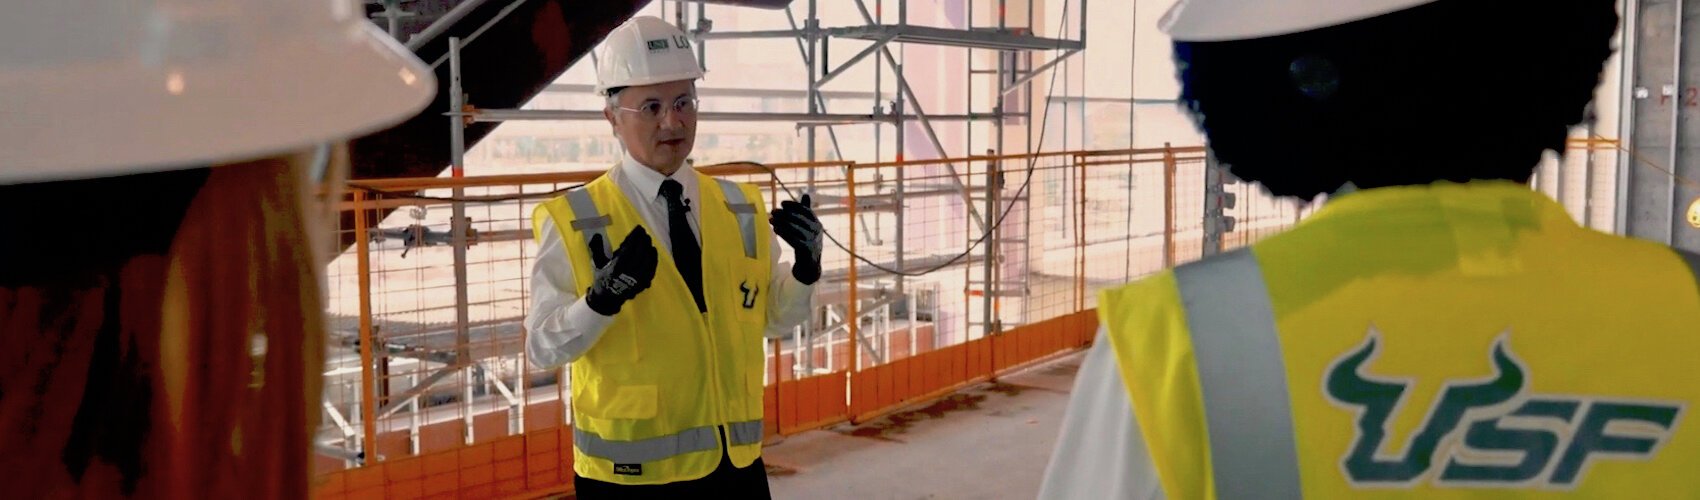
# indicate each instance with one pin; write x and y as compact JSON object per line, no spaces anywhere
{"x":1015,"y":246}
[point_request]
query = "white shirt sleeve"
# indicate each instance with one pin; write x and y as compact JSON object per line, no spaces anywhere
{"x":1101,"y":452}
{"x":560,"y":327}
{"x":788,"y":303}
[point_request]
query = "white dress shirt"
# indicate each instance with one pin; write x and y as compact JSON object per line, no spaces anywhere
{"x":1101,"y":452}
{"x":562,"y":327}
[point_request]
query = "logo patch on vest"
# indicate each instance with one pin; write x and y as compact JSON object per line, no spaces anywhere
{"x":749,"y":294}
{"x":1488,"y":433}
{"x":628,"y":469}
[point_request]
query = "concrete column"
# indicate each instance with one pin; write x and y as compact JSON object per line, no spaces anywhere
{"x":1661,"y":72}
{"x":1686,"y":106}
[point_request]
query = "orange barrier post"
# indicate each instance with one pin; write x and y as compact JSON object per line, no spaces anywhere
{"x":855,"y":321}
{"x":1169,"y":167}
{"x":1080,"y":237}
{"x":368,"y":389}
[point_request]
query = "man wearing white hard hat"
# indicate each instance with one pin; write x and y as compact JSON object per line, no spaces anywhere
{"x":665,"y":345}
{"x":1438,"y":329}
{"x":165,"y":171}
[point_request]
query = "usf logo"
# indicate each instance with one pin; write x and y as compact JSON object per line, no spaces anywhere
{"x":1489,"y":432}
{"x":749,"y":294}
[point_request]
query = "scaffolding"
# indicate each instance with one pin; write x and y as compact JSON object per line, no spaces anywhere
{"x":1013,"y":47}
{"x":996,"y":95}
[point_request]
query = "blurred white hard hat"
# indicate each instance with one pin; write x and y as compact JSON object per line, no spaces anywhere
{"x":1225,"y":20}
{"x":645,"y":51}
{"x":94,"y":88}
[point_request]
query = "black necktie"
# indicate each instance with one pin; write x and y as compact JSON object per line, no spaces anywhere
{"x":687,"y":254}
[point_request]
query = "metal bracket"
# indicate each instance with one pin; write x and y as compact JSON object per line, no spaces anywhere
{"x":358,"y":457}
{"x":414,"y":392}
{"x":342,"y":424}
{"x":1036,"y":71}
{"x":500,"y":386}
{"x":877,"y":45}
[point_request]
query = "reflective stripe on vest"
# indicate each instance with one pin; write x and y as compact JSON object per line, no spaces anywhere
{"x":1241,"y":377}
{"x":742,"y":433}
{"x":745,"y":212}
{"x":590,"y":221}
{"x":663,"y":447}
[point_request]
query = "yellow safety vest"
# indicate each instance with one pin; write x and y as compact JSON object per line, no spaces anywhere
{"x":1445,"y":341}
{"x":651,"y":397}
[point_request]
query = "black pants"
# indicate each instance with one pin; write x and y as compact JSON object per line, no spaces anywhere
{"x":725,"y":482}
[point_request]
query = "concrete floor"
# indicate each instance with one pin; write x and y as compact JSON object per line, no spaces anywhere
{"x":987,"y":441}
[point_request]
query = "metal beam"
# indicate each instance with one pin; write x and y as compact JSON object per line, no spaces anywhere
{"x":948,"y":37}
{"x":738,"y":35}
{"x":507,"y":115}
{"x":336,"y":417}
{"x":503,"y":14}
{"x":921,"y":114}
{"x":418,"y":389}
{"x":936,"y":118}
{"x":1036,"y":71}
{"x":500,"y":386}
{"x":393,"y":14}
{"x":1626,"y":89}
{"x":868,"y":311}
{"x":458,"y":222}
{"x":704,"y":25}
{"x":1082,"y":18}
{"x":877,"y":45}
{"x":1110,"y":100}
{"x":819,"y":103}
{"x":359,"y":458}
{"x":910,"y":262}
{"x":801,"y":119}
{"x":580,"y":88}
{"x":442,"y":24}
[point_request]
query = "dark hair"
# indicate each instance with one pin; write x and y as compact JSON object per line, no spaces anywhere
{"x":130,"y":308}
{"x":1454,"y":90}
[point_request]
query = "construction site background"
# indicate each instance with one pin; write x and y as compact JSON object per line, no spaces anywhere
{"x":1003,"y":256}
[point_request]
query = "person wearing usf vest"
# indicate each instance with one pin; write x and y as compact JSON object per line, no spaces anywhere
{"x":1438,"y":329}
{"x":665,"y":344}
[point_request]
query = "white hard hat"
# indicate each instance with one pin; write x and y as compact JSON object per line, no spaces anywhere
{"x":95,"y":88}
{"x":645,"y":51}
{"x":1224,"y":20}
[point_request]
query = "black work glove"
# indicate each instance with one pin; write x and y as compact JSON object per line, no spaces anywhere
{"x":796,"y":224}
{"x":621,"y":277}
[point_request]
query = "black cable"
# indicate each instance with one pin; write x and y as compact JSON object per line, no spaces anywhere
{"x":471,"y":199}
{"x":1032,"y":165}
{"x":953,"y":261}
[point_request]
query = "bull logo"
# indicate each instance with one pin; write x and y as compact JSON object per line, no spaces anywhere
{"x":749,"y":294}
{"x":1498,"y":419}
